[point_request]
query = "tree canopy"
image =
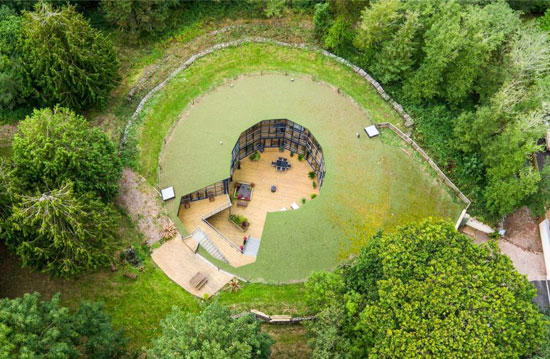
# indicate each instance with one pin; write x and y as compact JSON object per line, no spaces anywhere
{"x":212,"y":334}
{"x":35,"y":328}
{"x":62,"y":233}
{"x":55,"y":145}
{"x":65,"y":60}
{"x":139,"y":17}
{"x":426,"y":291}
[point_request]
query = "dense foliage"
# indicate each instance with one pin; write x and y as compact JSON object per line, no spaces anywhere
{"x":65,"y":60}
{"x":53,"y":209}
{"x":472,"y":74}
{"x":62,"y":233}
{"x":34,"y":328}
{"x":212,"y":334}
{"x":425,"y":291}
{"x":139,"y":17}
{"x":53,"y":146}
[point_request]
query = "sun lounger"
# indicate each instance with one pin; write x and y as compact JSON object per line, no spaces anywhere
{"x":294,"y":206}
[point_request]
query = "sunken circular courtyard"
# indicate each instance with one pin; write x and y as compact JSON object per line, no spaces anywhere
{"x":271,"y":181}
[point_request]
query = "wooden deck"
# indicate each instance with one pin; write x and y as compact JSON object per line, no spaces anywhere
{"x":292,"y":186}
{"x":180,"y":264}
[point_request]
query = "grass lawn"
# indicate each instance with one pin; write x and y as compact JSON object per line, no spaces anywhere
{"x":139,"y":305}
{"x":370,"y":184}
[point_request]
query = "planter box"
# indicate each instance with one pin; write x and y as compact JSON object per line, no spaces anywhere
{"x":239,"y":227}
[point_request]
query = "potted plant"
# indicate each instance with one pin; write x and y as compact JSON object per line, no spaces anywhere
{"x":281,"y":148}
{"x":311,"y":175}
{"x":300,"y":157}
{"x":291,"y":153}
{"x":252,"y":184}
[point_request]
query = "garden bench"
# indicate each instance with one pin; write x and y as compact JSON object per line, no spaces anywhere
{"x":198,"y":281}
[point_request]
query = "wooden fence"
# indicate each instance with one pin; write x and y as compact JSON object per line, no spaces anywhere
{"x":427,"y":158}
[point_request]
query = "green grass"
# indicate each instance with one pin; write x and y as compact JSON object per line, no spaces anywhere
{"x":5,"y":151}
{"x":370,"y":184}
{"x":139,"y":305}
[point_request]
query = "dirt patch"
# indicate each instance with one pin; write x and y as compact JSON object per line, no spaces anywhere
{"x":526,"y":262}
{"x":290,"y":341}
{"x":522,"y":230}
{"x":6,"y":134}
{"x":143,"y":204}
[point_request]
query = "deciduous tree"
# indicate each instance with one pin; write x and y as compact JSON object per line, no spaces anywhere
{"x":35,"y":328}
{"x":213,"y":334}
{"x":427,"y":291}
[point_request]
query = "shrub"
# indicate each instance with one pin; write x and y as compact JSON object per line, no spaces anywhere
{"x":313,"y":195}
{"x":311,"y":174}
{"x":300,"y":157}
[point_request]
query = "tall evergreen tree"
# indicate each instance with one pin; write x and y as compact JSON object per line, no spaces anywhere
{"x":66,"y":61}
{"x":53,"y":146}
{"x":61,"y":233}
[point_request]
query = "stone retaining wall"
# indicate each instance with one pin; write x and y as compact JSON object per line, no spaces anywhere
{"x":396,"y":106}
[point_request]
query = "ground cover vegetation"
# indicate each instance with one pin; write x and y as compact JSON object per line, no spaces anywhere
{"x":513,"y":77}
{"x":473,"y":75}
{"x":426,"y":291}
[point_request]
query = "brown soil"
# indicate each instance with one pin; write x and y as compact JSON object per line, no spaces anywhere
{"x":522,"y":230}
{"x":143,"y":204}
{"x":526,"y":262}
{"x":6,"y":134}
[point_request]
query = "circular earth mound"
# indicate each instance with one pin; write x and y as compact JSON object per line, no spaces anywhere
{"x":369,"y":183}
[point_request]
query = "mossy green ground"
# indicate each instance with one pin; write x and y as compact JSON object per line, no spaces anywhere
{"x":370,"y":184}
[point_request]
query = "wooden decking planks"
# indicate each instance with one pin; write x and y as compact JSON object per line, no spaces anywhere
{"x":292,"y":186}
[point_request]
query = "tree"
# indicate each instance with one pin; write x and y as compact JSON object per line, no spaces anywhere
{"x":504,"y":130}
{"x":427,"y":291}
{"x":213,"y":334}
{"x":340,"y":36}
{"x":322,"y":20}
{"x":139,"y":17}
{"x":53,"y":146}
{"x":12,"y":87}
{"x":65,"y":60}
{"x":61,"y":233}
{"x":436,"y":49}
{"x":34,"y":328}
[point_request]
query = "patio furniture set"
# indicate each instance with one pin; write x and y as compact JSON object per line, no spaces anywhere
{"x":281,"y":164}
